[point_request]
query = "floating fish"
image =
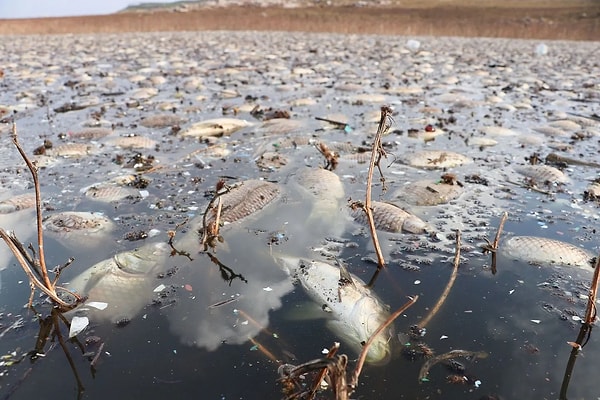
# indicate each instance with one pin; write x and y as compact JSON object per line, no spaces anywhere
{"x":542,"y":174}
{"x":391,"y":218}
{"x":124,"y":281}
{"x":215,"y":127}
{"x":133,"y":142}
{"x":436,"y":159}
{"x":246,"y":199}
{"x":17,"y":203}
{"x":161,"y":120}
{"x":79,"y":228}
{"x":355,"y":311}
{"x":541,"y":250}
{"x":428,"y":192}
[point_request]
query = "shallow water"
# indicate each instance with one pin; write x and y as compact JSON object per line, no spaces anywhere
{"x":186,"y":343}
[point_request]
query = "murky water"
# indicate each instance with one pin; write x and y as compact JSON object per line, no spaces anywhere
{"x":221,"y":333}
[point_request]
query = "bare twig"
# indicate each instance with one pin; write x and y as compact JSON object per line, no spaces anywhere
{"x":591,"y":311}
{"x":317,"y":384}
{"x":363,"y":355}
{"x":493,"y":247}
{"x":448,"y":287}
{"x":376,"y":153}
{"x":38,"y":206}
{"x":48,"y":290}
{"x":210,"y":231}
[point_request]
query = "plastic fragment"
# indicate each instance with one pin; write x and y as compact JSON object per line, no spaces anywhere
{"x":78,"y":324}
{"x":159,"y":288}
{"x":100,"y":305}
{"x":443,"y":337}
{"x":268,"y":289}
{"x":536,"y":321}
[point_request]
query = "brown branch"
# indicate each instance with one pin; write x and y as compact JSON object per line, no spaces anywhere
{"x":363,"y":355}
{"x":591,"y":312}
{"x":49,"y":291}
{"x":376,"y":153}
{"x":448,"y":287}
{"x":493,"y":247}
{"x":332,"y":351}
{"x":38,"y":207}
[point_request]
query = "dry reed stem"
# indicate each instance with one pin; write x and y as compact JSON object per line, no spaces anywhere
{"x":38,"y":208}
{"x":376,"y":153}
{"x":332,"y":351}
{"x":590,"y":312}
{"x":493,"y":247}
{"x":363,"y":355}
{"x":448,"y":287}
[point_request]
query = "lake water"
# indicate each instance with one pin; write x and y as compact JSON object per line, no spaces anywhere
{"x":214,"y":338}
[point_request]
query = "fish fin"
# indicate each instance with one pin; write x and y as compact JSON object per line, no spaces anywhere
{"x":345,"y":277}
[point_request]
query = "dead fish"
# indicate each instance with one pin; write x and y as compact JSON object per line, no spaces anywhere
{"x":497,"y":131}
{"x":69,"y":221}
{"x":542,"y":174}
{"x":78,"y":227}
{"x":161,"y":121}
{"x":133,"y":142}
{"x":355,"y":310}
{"x":246,"y":199}
{"x":123,"y":282}
{"x":541,"y":250}
{"x":436,"y":159}
{"x":16,"y":203}
{"x":108,"y":192}
{"x":320,"y":193}
{"x":215,"y":127}
{"x":391,"y":218}
{"x":90,"y":134}
{"x":428,"y":192}
{"x":70,"y":150}
{"x":556,"y":158}
{"x":279,"y":126}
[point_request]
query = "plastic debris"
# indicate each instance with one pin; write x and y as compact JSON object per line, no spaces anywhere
{"x":443,"y":337}
{"x":536,"y":321}
{"x":268,"y":289}
{"x":188,"y":287}
{"x":100,"y":305}
{"x":78,"y":324}
{"x":417,"y":282}
{"x":159,"y":288}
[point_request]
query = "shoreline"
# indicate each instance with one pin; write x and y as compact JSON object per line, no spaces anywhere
{"x":567,"y":23}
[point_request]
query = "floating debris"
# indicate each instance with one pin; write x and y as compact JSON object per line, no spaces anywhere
{"x":391,"y":218}
{"x":545,"y":251}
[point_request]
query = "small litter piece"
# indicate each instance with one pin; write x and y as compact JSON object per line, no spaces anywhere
{"x":159,"y":288}
{"x":443,"y":337}
{"x":417,"y":282}
{"x":78,"y":324}
{"x":100,"y":305}
{"x":268,"y":289}
{"x":536,"y":321}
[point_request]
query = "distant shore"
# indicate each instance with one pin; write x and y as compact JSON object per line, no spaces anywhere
{"x":556,"y":23}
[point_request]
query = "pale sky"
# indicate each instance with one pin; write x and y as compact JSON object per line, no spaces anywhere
{"x":63,"y":8}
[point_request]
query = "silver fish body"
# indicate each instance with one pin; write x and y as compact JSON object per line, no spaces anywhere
{"x":124,"y":281}
{"x":355,"y":311}
{"x":391,"y":218}
{"x":545,"y":251}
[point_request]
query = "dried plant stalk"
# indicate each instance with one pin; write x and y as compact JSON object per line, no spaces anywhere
{"x":363,"y":354}
{"x":591,"y":312}
{"x":376,"y":153}
{"x":448,"y":287}
{"x":35,"y":267}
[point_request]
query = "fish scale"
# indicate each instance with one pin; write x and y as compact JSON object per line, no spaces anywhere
{"x":541,"y":250}
{"x":390,"y":218}
{"x":246,"y":199}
